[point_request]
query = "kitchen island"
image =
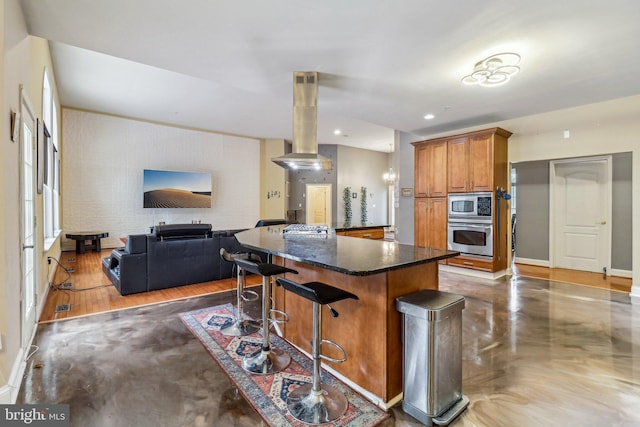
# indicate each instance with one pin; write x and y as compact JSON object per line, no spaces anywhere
{"x":369,"y":329}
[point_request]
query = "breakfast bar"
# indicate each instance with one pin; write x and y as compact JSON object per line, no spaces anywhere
{"x":369,"y":329}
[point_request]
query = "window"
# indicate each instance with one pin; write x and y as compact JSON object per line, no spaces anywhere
{"x":51,"y":188}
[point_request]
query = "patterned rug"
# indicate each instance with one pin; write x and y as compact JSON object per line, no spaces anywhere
{"x":268,"y":393}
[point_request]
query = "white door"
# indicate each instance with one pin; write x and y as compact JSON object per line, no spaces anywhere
{"x":319,"y":204}
{"x":581,"y":212}
{"x":27,"y":220}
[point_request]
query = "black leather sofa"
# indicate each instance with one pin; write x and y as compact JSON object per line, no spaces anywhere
{"x":171,"y":255}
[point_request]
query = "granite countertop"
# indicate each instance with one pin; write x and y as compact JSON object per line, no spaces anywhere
{"x":348,"y":255}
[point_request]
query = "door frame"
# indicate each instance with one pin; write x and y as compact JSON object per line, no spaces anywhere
{"x":328,"y":205}
{"x":28,"y":328}
{"x":553,"y":183}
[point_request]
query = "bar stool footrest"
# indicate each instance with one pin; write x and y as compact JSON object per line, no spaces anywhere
{"x":340,"y":349}
{"x":274,"y":320}
{"x":249,"y":296}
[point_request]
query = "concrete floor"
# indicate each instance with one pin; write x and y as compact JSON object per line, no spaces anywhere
{"x":535,"y":353}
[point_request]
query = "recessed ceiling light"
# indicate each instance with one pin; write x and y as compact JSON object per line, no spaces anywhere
{"x":429,"y":116}
{"x":337,"y":132}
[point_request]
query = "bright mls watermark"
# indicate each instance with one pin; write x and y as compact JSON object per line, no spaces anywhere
{"x":34,"y":415}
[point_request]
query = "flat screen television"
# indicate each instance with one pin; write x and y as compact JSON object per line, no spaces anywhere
{"x":175,"y":189}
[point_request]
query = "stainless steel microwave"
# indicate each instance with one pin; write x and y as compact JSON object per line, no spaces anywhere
{"x":471,"y":207}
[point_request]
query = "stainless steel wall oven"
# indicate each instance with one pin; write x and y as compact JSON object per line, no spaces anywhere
{"x":470,"y":229}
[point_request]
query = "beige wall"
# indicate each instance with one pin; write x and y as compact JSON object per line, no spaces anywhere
{"x":15,"y":68}
{"x":4,"y":144}
{"x":272,"y":180}
{"x":41,"y":60}
{"x":371,"y":167}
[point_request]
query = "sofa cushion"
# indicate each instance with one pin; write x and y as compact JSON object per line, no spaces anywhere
{"x":136,"y":244}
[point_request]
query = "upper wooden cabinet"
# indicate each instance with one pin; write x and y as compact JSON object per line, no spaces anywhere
{"x":471,"y":162}
{"x":431,"y":170}
{"x":470,"y":166}
{"x":458,"y":165}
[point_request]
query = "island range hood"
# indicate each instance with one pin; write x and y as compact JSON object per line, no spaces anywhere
{"x":305,"y":126}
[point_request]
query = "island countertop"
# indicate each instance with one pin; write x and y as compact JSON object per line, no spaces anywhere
{"x":347,"y":255}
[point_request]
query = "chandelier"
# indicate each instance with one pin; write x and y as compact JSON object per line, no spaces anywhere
{"x":389,"y":177}
{"x":495,"y":70}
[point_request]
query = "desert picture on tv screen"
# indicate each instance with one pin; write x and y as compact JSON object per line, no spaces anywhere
{"x":173,"y":189}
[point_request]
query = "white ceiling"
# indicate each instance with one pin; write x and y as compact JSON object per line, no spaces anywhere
{"x":227,"y":66}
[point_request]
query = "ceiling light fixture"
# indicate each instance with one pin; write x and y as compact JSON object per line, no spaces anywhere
{"x":389,"y":177}
{"x":337,"y":132}
{"x":429,"y":116}
{"x":495,"y":70}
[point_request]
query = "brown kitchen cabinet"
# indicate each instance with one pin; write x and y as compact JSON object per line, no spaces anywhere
{"x":430,"y":170}
{"x":470,"y":165}
{"x":374,"y":233}
{"x":475,"y":263}
{"x":430,"y":222}
{"x":464,"y":163}
{"x":368,"y":233}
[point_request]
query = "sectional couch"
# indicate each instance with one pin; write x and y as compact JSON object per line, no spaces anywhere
{"x":171,"y":255}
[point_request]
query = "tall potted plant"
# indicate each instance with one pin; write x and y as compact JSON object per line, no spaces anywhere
{"x":346,"y":198}
{"x":363,"y":204}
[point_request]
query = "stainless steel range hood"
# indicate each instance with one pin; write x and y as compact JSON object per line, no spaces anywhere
{"x":305,"y":126}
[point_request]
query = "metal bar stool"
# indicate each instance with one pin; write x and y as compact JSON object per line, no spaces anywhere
{"x":268,"y":360}
{"x":318,"y":403}
{"x":241,"y":327}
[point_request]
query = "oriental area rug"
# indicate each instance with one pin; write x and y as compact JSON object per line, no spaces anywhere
{"x":268,"y":393}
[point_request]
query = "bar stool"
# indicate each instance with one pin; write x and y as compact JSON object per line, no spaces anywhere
{"x":240,"y":327}
{"x":318,"y":403}
{"x":268,"y":360}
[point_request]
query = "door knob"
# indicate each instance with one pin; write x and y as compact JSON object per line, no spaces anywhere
{"x":603,"y":222}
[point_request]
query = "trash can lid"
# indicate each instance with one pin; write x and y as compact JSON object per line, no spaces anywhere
{"x":429,"y":304}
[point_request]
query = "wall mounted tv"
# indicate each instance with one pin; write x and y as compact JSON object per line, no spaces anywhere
{"x":174,"y":189}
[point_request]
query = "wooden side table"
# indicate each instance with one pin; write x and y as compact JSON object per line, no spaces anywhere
{"x":81,"y":239}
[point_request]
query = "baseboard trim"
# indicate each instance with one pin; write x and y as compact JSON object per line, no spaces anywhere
{"x":471,"y":272}
{"x":621,"y":273}
{"x":531,"y":261}
{"x":9,"y":392}
{"x":5,"y":395}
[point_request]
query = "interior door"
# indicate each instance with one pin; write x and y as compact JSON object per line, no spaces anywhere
{"x":319,"y":204}
{"x":27,"y":234}
{"x":581,"y":207}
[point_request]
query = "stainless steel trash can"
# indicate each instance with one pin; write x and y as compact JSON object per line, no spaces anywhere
{"x":432,"y":361}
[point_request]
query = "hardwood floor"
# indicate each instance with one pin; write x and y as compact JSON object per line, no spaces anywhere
{"x":91,"y":291}
{"x":576,"y":277}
